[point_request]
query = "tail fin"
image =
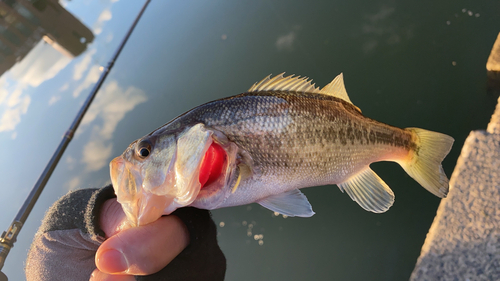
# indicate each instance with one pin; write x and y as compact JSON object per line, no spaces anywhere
{"x":425,"y":164}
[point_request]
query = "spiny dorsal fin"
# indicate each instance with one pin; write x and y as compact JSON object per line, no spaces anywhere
{"x":289,"y":83}
{"x":336,"y":88}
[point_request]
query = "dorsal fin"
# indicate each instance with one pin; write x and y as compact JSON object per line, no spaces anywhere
{"x":336,"y":88}
{"x":280,"y":83}
{"x":302,"y":84}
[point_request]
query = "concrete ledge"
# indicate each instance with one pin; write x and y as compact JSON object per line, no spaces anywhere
{"x":493,"y":66}
{"x":463,"y":242}
{"x":493,"y":63}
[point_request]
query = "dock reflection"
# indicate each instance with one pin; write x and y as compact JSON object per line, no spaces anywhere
{"x":23,"y":23}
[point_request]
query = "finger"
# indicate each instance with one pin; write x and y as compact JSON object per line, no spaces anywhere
{"x":101,"y":276}
{"x":112,"y":218}
{"x":145,"y":249}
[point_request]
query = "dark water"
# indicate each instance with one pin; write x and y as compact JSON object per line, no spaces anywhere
{"x":408,"y":64}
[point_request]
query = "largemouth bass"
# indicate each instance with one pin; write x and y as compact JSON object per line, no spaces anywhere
{"x":263,"y":145}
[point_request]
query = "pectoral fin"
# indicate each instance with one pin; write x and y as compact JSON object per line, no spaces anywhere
{"x":369,"y":190}
{"x":292,"y":203}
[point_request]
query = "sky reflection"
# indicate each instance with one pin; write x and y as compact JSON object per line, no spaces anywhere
{"x":41,"y":64}
{"x":39,"y":97}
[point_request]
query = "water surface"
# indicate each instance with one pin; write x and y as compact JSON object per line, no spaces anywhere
{"x":416,"y":64}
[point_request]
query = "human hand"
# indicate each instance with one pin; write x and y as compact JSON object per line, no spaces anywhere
{"x":140,"y":250}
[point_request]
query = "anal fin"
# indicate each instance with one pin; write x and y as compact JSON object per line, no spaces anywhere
{"x":292,"y":203}
{"x":369,"y":191}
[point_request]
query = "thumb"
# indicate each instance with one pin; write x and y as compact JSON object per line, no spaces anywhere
{"x":140,"y":250}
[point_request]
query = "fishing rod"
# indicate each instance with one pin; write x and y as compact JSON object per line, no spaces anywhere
{"x":9,"y":237}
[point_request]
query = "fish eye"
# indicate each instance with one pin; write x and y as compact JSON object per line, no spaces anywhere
{"x":143,"y":149}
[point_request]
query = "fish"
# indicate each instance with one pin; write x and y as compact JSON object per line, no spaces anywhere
{"x":264,"y":145}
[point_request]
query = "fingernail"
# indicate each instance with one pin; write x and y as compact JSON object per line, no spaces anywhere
{"x":112,"y":261}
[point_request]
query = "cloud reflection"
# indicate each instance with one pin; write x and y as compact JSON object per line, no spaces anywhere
{"x":108,"y":109}
{"x":285,"y":42}
{"x":64,"y":87}
{"x":96,"y":154}
{"x":381,"y":29}
{"x":15,"y":104}
{"x":103,"y":17}
{"x":74,"y":183}
{"x":92,"y":77}
{"x":54,"y":99}
{"x":40,"y":65}
{"x":83,"y":65}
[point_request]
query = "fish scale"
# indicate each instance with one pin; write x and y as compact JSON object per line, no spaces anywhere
{"x":282,"y":135}
{"x":304,"y":122}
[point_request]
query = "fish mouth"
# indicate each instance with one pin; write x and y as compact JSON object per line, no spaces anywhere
{"x":148,"y":192}
{"x":139,"y":205}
